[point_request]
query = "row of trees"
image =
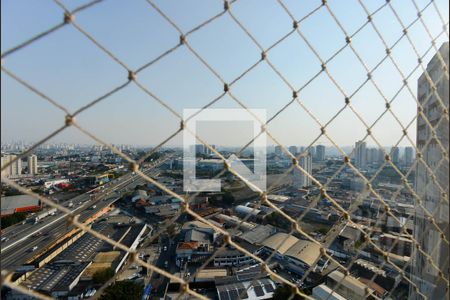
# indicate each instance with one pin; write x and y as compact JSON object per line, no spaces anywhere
{"x":284,"y":292}
{"x":123,"y":290}
{"x":15,"y":218}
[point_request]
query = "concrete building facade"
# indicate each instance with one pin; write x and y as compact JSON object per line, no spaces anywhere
{"x":360,"y":154}
{"x":299,"y":178}
{"x":408,"y":156}
{"x":320,"y":153}
{"x":32,"y":165}
{"x":15,"y":169}
{"x":424,"y":275}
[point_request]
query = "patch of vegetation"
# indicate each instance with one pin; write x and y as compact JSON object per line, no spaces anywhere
{"x":11,"y":192}
{"x":278,"y":220}
{"x":228,"y":198}
{"x":15,"y":218}
{"x":123,"y":290}
{"x":102,"y":276}
{"x":284,"y":292}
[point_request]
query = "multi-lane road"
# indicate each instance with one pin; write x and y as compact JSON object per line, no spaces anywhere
{"x":20,"y":240}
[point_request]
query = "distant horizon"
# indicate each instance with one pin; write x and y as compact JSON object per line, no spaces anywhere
{"x":181,"y":146}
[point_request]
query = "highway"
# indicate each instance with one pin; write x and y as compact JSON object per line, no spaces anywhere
{"x":17,"y":249}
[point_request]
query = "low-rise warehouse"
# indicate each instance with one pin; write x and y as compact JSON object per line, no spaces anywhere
{"x":299,"y":255}
{"x":19,"y":203}
{"x":56,"y":279}
{"x":258,"y":234}
{"x":280,"y":242}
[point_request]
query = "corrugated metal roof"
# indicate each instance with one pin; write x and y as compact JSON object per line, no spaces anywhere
{"x":305,"y":251}
{"x":280,"y":241}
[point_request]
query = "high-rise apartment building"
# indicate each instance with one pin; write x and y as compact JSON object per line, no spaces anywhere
{"x":14,"y":169}
{"x":199,"y":149}
{"x":423,"y":274}
{"x":360,"y":154}
{"x":381,"y":156}
{"x":395,"y":155}
{"x":312,"y":151}
{"x":372,"y":155}
{"x":408,"y":157}
{"x":293,"y":150}
{"x":32,"y":165}
{"x":320,"y":153}
{"x":299,"y":179}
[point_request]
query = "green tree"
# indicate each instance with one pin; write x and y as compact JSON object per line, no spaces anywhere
{"x":278,"y":220}
{"x":123,"y":290}
{"x":228,"y":198}
{"x":12,"y":192}
{"x":102,"y":276}
{"x":283,"y":292}
{"x":9,"y":220}
{"x":152,"y":157}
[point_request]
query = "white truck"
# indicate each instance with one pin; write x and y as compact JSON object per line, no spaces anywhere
{"x":38,"y":217}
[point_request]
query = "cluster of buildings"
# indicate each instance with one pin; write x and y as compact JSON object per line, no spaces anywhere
{"x":16,"y":167}
{"x":365,"y":157}
{"x":259,"y":229}
{"x":203,"y":150}
{"x":67,"y":269}
{"x":316,"y":153}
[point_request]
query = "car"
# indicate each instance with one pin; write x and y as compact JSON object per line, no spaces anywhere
{"x":165,"y":248}
{"x":166,"y":263}
{"x":33,"y":249}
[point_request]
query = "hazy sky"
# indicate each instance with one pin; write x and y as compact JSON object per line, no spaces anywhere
{"x":69,"y":68}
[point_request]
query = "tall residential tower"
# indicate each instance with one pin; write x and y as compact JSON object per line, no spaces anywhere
{"x":423,"y":274}
{"x":360,"y":154}
{"x":32,"y":165}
